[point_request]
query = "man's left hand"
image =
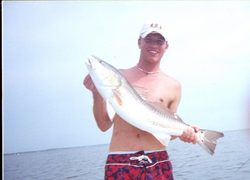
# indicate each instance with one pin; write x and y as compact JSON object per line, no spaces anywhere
{"x":189,"y":135}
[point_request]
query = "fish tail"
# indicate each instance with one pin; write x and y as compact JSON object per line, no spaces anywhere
{"x":208,"y":139}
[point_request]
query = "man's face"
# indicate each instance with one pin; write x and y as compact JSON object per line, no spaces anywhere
{"x":153,"y":46}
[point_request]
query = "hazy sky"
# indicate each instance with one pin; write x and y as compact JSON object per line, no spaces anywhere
{"x":45,"y":45}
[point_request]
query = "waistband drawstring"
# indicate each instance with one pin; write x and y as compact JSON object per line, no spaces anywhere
{"x":141,"y":158}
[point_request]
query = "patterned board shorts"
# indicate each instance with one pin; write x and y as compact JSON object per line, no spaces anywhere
{"x":154,"y":165}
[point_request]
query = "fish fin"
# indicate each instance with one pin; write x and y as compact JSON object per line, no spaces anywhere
{"x":110,"y":110}
{"x":208,"y":139}
{"x":117,"y":98}
{"x":166,"y":110}
{"x":141,"y":91}
{"x":163,"y":138}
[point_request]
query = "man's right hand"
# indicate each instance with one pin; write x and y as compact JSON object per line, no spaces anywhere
{"x":88,"y":83}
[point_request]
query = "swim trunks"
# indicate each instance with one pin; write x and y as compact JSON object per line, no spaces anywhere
{"x":154,"y":165}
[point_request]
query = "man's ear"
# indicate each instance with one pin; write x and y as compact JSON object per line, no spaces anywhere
{"x":139,"y":43}
{"x":166,"y":47}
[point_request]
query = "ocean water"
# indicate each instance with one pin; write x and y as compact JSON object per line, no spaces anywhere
{"x":190,"y":162}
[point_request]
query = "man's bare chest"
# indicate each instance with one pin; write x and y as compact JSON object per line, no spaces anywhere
{"x":156,"y":92}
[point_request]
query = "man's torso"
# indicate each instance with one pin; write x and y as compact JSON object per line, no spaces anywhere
{"x":162,"y":89}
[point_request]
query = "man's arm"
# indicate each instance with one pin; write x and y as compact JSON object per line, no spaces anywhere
{"x":188,"y":135}
{"x":174,"y":104}
{"x":99,"y":107}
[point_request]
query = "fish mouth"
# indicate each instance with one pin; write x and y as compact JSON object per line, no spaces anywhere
{"x":93,"y":62}
{"x":89,"y":64}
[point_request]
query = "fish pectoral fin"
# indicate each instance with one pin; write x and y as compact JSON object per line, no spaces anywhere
{"x":117,"y":98}
{"x":163,"y":138}
{"x":110,"y":110}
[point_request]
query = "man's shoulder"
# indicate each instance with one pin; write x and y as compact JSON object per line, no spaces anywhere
{"x":170,"y":78}
{"x":127,"y":72}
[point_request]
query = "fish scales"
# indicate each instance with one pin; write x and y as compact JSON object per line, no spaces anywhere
{"x":165,"y":122}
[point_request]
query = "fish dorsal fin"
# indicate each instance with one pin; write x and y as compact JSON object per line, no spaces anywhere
{"x":141,"y":91}
{"x":166,"y":110}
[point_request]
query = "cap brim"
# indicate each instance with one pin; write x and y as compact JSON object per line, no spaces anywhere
{"x":144,"y":34}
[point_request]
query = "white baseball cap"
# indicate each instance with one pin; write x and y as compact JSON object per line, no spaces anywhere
{"x":154,"y":28}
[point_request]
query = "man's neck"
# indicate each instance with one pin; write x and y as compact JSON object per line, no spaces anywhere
{"x":148,"y":67}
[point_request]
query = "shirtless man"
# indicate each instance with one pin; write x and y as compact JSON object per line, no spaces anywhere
{"x":133,"y":153}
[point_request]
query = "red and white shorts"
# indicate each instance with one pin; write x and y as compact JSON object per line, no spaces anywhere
{"x":149,"y":165}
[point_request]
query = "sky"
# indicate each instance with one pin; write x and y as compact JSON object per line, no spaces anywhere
{"x":46,"y":43}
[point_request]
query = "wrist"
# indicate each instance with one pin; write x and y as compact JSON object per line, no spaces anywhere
{"x":96,"y":96}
